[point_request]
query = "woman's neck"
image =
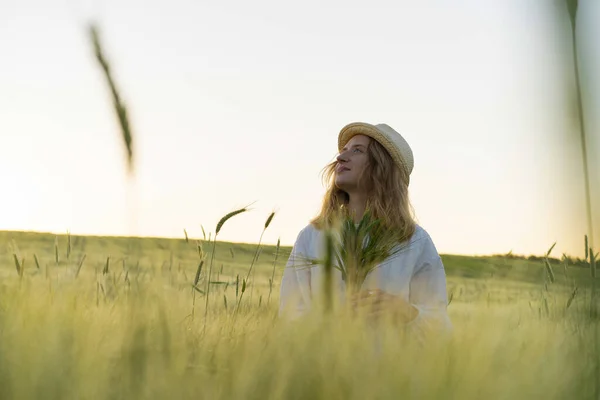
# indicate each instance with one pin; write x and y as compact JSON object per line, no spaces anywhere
{"x":357,"y":205}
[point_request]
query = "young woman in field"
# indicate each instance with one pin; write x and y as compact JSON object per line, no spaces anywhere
{"x":372,"y":171}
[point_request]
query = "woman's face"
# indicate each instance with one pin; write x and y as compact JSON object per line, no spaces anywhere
{"x":351,"y":163}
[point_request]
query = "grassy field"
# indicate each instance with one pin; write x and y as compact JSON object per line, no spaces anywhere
{"x":134,"y":327}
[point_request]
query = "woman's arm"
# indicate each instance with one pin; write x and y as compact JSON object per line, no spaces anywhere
{"x":429,"y":296}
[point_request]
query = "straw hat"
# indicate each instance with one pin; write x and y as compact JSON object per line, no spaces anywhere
{"x":393,"y":142}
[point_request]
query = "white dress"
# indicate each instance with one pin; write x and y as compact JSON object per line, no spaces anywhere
{"x":416,"y":274}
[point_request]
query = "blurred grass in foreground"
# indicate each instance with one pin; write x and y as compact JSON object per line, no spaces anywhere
{"x":127,"y":332}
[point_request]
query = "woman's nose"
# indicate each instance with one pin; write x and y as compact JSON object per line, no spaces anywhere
{"x":341,"y":158}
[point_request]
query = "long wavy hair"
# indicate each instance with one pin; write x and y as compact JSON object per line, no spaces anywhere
{"x":387,"y":194}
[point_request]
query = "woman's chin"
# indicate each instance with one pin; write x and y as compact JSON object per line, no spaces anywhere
{"x":343,"y":184}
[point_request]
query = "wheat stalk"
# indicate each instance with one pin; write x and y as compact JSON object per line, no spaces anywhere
{"x":572,"y":8}
{"x":328,"y":270}
{"x":549,"y":270}
{"x":195,"y":287}
{"x":80,"y":265}
{"x":273,"y":272}
{"x":56,"y":250}
{"x":18,"y":265}
{"x":256,"y":254}
{"x":118,"y":104}
{"x":254,"y":258}
{"x":106,"y":266}
{"x":220,"y":224}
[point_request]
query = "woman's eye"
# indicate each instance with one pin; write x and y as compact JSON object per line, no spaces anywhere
{"x":356,"y":149}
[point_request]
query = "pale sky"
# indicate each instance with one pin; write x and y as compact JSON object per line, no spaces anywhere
{"x":234,"y":102}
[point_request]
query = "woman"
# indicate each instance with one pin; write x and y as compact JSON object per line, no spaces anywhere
{"x":372,"y":171}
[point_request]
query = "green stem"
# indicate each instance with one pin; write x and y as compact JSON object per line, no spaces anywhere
{"x":250,"y":270}
{"x":273,"y":274}
{"x":587,"y":191}
{"x":588,"y":198}
{"x":212,"y":257}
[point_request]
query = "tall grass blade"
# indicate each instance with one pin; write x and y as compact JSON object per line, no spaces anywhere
{"x":198,"y":272}
{"x":550,"y":250}
{"x":56,"y":250}
{"x":18,"y":265}
{"x":572,"y":297}
{"x":220,"y":224}
{"x":549,"y":270}
{"x":118,"y":104}
{"x":80,"y":265}
{"x":200,"y":251}
{"x":256,"y":254}
{"x":254,"y":258}
{"x":572,"y":8}
{"x":328,"y":271}
{"x":592,"y":264}
{"x":273,"y":272}
{"x":106,"y":266}
{"x":68,"y":245}
{"x":197,"y":289}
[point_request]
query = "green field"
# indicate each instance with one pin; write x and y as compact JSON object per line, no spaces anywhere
{"x":132,"y":327}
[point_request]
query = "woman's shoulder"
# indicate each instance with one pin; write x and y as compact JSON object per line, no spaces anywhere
{"x":311,"y":234}
{"x":422,"y":242}
{"x":420,"y":233}
{"x":307,"y":233}
{"x":308,"y":230}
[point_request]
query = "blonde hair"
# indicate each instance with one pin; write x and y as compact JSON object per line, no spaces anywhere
{"x":387,"y":194}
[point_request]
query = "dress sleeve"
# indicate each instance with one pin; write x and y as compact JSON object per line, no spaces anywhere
{"x":428,"y":294}
{"x":291,"y":303}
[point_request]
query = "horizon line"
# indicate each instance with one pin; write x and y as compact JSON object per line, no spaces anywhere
{"x":117,"y":236}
